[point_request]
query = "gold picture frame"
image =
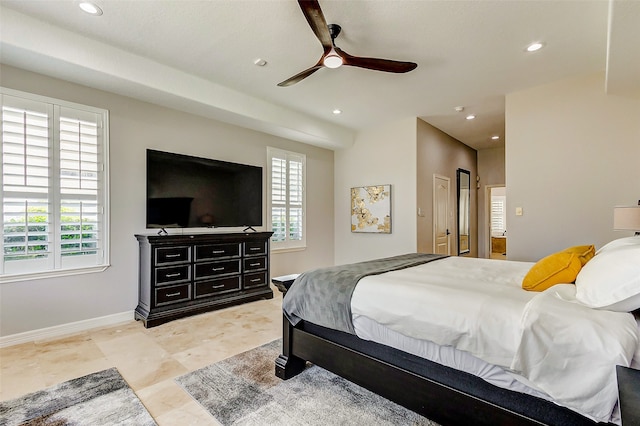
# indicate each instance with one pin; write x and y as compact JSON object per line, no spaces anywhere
{"x":371,"y":209}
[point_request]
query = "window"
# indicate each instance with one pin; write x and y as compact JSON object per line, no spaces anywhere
{"x":54,"y":186}
{"x":498,"y":227}
{"x":287,"y":198}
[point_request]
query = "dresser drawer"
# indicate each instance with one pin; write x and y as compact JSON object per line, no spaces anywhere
{"x":172,"y":254}
{"x":213,"y":251}
{"x":258,"y":279}
{"x":214,"y":287}
{"x":171,"y":274}
{"x":173,"y":294}
{"x":254,"y":248}
{"x":254,"y":263}
{"x":213,"y":269}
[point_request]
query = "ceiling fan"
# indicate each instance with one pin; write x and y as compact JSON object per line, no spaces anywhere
{"x":333,"y":56}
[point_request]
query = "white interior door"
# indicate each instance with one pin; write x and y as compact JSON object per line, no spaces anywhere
{"x":441,"y":233}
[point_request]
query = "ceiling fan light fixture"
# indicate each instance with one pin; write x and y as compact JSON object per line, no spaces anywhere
{"x":332,"y":60}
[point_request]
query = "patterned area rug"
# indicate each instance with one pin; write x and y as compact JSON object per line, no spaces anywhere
{"x":101,"y":398}
{"x":243,"y":390}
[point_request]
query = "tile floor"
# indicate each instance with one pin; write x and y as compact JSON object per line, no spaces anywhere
{"x":148,"y":359}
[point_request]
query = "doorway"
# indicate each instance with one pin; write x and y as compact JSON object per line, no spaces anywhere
{"x":497,"y":203}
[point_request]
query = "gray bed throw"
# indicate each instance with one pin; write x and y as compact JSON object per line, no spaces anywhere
{"x":323,"y":296}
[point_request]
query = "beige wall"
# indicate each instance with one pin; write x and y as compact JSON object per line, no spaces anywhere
{"x":571,"y":156}
{"x":439,"y":153}
{"x":491,"y":169}
{"x":381,"y":155}
{"x":134,"y":127}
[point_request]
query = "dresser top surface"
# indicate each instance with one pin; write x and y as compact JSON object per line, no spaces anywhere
{"x":203,"y":238}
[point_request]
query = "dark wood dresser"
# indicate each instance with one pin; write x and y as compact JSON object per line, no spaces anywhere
{"x":183,"y":275}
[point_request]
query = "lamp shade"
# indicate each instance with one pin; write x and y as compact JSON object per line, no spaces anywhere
{"x":626,"y":218}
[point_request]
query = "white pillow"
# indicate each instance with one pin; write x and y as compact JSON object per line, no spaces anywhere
{"x":620,"y":242}
{"x":611,"y":280}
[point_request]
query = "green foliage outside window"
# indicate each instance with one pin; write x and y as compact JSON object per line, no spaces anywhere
{"x":78,"y":238}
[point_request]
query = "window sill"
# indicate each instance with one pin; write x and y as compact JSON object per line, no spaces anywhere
{"x":287,"y":249}
{"x":51,"y":274}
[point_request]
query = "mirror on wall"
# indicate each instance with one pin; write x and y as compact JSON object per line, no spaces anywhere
{"x":464,"y":198}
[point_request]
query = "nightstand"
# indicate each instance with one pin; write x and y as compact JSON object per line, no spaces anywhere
{"x":284,"y":282}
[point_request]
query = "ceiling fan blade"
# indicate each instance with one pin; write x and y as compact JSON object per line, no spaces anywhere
{"x":315,"y":18}
{"x":386,"y":65}
{"x":301,"y":75}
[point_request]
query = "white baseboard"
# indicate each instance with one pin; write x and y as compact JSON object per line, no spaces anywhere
{"x":64,"y":329}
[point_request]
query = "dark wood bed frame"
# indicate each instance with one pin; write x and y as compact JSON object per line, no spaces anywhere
{"x":442,"y":394}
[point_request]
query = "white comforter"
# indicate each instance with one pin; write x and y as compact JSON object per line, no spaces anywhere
{"x":477,"y":305}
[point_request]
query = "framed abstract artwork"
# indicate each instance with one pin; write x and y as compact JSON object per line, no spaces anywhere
{"x":371,"y":209}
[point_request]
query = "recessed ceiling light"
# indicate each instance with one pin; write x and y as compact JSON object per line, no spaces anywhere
{"x":535,"y":46}
{"x":471,"y":117}
{"x":459,"y":108}
{"x":495,"y":138}
{"x":90,"y":8}
{"x":337,"y":111}
{"x":260,"y":62}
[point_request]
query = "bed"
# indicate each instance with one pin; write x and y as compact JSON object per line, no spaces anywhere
{"x":460,"y":341}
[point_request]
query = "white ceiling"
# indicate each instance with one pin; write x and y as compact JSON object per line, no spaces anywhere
{"x":198,"y":56}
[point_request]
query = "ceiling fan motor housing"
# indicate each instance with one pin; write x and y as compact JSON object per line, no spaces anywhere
{"x":334,"y":30}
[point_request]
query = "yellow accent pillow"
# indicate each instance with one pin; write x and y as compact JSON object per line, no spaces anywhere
{"x":557,"y":268}
{"x":585,"y":253}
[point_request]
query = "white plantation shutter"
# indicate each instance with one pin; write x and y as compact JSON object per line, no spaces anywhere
{"x":286,"y":198}
{"x":26,"y":163}
{"x":296,"y":197}
{"x":498,"y":216}
{"x":53,"y":185}
{"x":278,"y":198}
{"x":80,"y":170}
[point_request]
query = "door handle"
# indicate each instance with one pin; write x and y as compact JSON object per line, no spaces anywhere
{"x":448,"y":233}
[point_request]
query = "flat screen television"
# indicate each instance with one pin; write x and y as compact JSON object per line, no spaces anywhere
{"x":192,"y":192}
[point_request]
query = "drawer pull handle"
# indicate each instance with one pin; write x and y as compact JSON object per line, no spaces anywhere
{"x":173,"y":294}
{"x":256,"y":280}
{"x":255,"y":248}
{"x":217,"y":286}
{"x":174,"y":255}
{"x":217,"y":269}
{"x":177,"y":274}
{"x":254,"y":264}
{"x":217,"y":252}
